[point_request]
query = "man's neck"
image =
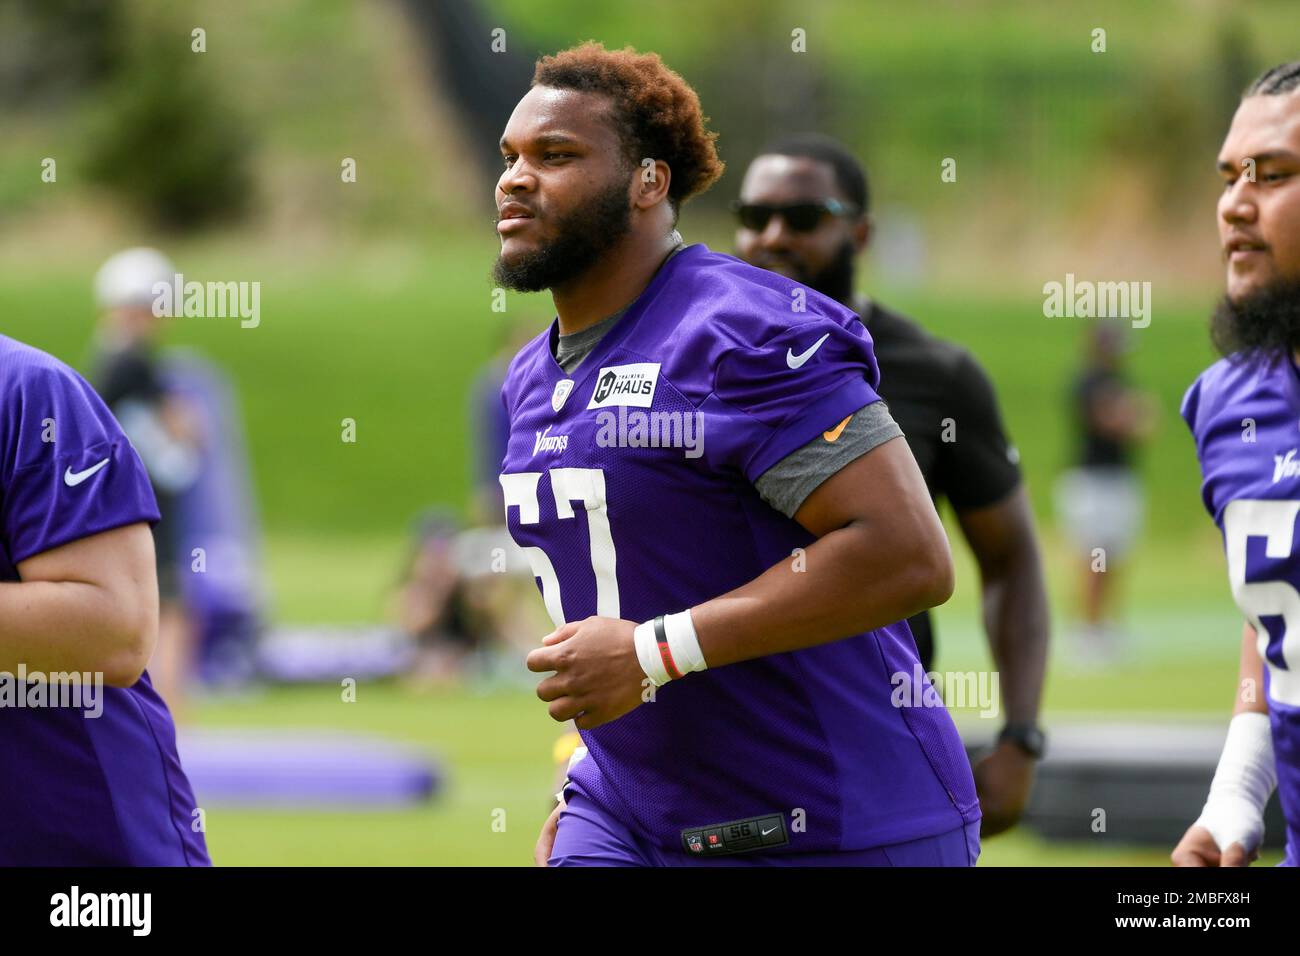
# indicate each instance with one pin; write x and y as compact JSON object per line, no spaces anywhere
{"x":612,"y":283}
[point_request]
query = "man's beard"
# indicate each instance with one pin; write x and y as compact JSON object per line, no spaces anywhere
{"x":834,"y":281}
{"x":1265,"y":323}
{"x":582,"y":237}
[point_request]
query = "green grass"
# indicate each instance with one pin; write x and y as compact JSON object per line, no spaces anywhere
{"x":495,"y":750}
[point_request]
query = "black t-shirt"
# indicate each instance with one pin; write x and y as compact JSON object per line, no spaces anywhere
{"x":944,"y":402}
{"x":128,"y":374}
{"x":132,"y":375}
{"x":1092,"y":386}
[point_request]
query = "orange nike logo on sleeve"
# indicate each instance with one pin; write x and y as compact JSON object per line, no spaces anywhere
{"x":834,"y":433}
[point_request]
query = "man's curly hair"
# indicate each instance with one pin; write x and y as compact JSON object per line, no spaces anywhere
{"x":657,"y":113}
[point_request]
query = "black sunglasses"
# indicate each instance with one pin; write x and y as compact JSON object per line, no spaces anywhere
{"x":799,"y":216}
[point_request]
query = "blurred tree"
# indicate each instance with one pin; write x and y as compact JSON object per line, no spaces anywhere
{"x":167,"y":141}
{"x":52,"y":49}
{"x":1237,"y":61}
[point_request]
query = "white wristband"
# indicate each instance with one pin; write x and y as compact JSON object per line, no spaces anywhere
{"x":1243,"y":782}
{"x":676,"y":655}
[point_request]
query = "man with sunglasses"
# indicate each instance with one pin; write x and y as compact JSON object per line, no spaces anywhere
{"x":803,"y":213}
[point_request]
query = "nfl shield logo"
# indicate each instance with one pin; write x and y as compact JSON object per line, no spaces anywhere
{"x":562,"y":390}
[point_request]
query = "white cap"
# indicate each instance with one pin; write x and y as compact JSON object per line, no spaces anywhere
{"x":128,"y":277}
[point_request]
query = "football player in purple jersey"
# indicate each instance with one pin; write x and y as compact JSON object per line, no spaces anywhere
{"x":1244,"y":412}
{"x":90,"y":776}
{"x":734,"y":651}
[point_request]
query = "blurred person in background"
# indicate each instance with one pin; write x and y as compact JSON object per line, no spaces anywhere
{"x":166,"y":433}
{"x":463,"y":603}
{"x":804,"y":213}
{"x":431,"y":606}
{"x":1099,"y":500}
{"x":489,"y":425}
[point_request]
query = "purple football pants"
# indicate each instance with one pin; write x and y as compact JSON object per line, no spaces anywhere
{"x":587,"y":836}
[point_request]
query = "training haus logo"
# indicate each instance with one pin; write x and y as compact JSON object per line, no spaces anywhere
{"x":625,"y":385}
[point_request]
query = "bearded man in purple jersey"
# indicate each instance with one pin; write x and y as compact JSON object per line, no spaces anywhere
{"x":734,"y":655}
{"x":89,"y":774}
{"x":1243,"y":413}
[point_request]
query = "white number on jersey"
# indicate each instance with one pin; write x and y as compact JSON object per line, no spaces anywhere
{"x":1274,"y":521}
{"x":569,"y":485}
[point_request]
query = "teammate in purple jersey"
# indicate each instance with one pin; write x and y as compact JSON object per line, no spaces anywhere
{"x":740,"y":676}
{"x":1243,"y":413}
{"x":96,"y":779}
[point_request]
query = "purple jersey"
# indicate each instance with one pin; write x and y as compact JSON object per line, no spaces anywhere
{"x":1243,"y":416}
{"x":78,"y":788}
{"x":630,"y":485}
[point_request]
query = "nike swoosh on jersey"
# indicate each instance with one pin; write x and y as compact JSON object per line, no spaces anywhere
{"x":834,"y":433}
{"x":73,"y":478}
{"x":797,"y":361}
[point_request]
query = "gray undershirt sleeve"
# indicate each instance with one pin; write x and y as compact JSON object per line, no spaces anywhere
{"x":787,"y":484}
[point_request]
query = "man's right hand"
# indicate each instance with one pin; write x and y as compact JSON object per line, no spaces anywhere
{"x":1197,"y":848}
{"x":546,"y":839}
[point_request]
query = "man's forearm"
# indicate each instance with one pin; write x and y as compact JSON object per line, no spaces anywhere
{"x":52,"y":626}
{"x":1016,"y":621}
{"x":844,"y":583}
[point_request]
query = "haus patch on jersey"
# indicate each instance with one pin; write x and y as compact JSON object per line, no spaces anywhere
{"x":625,"y":385}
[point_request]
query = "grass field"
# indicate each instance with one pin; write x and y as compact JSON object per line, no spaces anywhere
{"x":495,"y":749}
{"x":392,"y":335}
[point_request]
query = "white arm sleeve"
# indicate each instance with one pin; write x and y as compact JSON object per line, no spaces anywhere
{"x":1243,"y":782}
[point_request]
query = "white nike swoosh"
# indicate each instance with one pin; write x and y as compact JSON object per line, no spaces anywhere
{"x":72,"y":479}
{"x":766,"y":832}
{"x":797,"y":361}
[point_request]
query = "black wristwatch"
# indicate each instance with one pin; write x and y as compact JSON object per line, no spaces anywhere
{"x":1028,"y":737}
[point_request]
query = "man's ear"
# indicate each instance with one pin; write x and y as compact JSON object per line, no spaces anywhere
{"x":862,"y":232}
{"x":653,"y":178}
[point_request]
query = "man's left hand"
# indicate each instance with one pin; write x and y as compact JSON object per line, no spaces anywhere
{"x":1003,"y":781}
{"x":597,"y":675}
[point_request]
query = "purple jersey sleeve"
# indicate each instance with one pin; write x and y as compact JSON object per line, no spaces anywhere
{"x":1191,"y":401}
{"x":66,"y":469}
{"x":775,"y":397}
